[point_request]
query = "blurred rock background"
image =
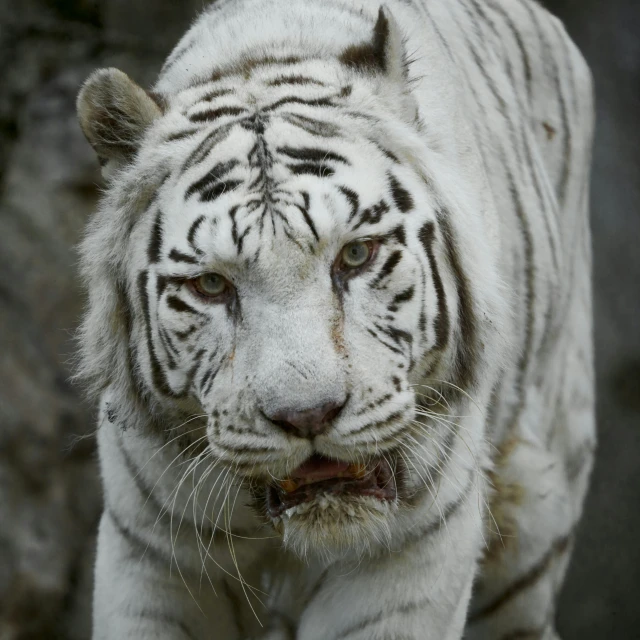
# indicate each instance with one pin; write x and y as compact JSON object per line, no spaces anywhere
{"x":49,"y":486}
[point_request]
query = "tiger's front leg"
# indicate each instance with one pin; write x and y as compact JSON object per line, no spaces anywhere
{"x":159,"y":574}
{"x":418,"y":590}
{"x":136,"y":596}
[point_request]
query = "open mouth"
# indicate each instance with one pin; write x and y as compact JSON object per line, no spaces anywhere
{"x":320,"y":475}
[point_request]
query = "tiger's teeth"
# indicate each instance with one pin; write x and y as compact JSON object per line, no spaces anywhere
{"x":357,"y":470}
{"x":289,"y":485}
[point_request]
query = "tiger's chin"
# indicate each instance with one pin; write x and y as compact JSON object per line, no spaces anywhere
{"x":333,"y":527}
{"x":335,"y":509}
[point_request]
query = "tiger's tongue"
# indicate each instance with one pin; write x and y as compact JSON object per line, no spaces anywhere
{"x":317,"y":468}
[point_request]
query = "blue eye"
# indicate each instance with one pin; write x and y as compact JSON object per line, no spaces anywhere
{"x":356,"y":254}
{"x":210,"y":285}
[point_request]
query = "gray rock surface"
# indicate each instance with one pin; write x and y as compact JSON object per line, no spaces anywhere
{"x":49,"y":486}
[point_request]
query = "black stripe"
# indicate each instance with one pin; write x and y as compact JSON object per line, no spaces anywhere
{"x":480,"y":63}
{"x":155,"y":241}
{"x":209,"y":195}
{"x":399,"y":234}
{"x":312,"y":169}
{"x":443,"y":42}
{"x":157,"y":374}
{"x":529,"y":299}
{"x":124,"y":311}
{"x":139,"y":546}
{"x":193,"y":229}
{"x":210,"y":381}
{"x":374,"y":403}
{"x":311,"y":125}
{"x":417,"y":536}
{"x":311,"y":102}
{"x":524,"y":56}
{"x":524,"y":582}
{"x":399,"y":610}
{"x":311,"y":154}
{"x":382,"y":342}
{"x":213,"y":114}
{"x":178,"y":256}
{"x":567,"y":142}
{"x":397,"y":335}
{"x":170,"y":344}
{"x":211,"y":373}
{"x":372,"y":214}
{"x":247,"y":65}
{"x":216,"y":93}
{"x":427,"y":236}
{"x":204,"y":148}
{"x":177,"y":304}
{"x":388,"y":154}
{"x":168,"y":348}
{"x":136,"y":476}
{"x":493,"y":87}
{"x":245,"y":449}
{"x":296,"y":79}
{"x":212,"y":178}
{"x":387,"y":268}
{"x":307,"y":217}
{"x":544,"y":202}
{"x":401,"y":298}
{"x":561,"y":187}
{"x":183,"y":335}
{"x":400,"y":195}
{"x":380,"y":424}
{"x":161,"y":284}
{"x":181,"y":135}
{"x":405,"y":296}
{"x":467,"y":350}
{"x":353,"y":199}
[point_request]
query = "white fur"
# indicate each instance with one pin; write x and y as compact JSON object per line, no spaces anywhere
{"x":487,"y":160}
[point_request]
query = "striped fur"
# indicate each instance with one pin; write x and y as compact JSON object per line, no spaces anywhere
{"x":452,"y":135}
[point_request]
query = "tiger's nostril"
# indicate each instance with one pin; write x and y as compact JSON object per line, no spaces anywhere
{"x":308,"y":423}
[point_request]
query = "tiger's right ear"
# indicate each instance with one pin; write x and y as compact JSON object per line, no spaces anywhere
{"x":114,"y":112}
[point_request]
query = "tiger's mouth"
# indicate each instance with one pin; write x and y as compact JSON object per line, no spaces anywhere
{"x":320,"y":475}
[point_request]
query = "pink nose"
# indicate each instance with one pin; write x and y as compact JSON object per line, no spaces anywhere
{"x":308,"y":423}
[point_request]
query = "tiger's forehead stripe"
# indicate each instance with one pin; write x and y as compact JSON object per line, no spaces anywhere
{"x":230,"y":173}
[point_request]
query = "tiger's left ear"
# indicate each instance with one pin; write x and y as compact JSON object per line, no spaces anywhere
{"x":114,"y":113}
{"x":384,"y":53}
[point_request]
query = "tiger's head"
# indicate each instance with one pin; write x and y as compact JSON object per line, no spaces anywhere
{"x":281,"y":250}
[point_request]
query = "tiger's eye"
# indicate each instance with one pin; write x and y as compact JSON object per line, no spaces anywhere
{"x":210,"y":285}
{"x":356,"y":254}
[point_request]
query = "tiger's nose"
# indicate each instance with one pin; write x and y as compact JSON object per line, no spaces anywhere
{"x":310,"y":422}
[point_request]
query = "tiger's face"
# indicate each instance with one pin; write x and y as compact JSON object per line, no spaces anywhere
{"x":288,"y":293}
{"x":288,"y":278}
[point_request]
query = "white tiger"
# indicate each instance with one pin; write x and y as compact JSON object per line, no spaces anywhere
{"x":340,"y":321}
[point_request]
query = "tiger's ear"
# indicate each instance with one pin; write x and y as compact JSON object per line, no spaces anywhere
{"x":114,"y":112}
{"x":384,"y":53}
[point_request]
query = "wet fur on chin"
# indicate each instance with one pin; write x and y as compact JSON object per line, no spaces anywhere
{"x":337,"y":527}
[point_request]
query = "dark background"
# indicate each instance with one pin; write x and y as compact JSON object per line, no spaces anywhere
{"x":49,"y":490}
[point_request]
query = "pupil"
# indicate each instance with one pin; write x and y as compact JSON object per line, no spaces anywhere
{"x":212,"y":283}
